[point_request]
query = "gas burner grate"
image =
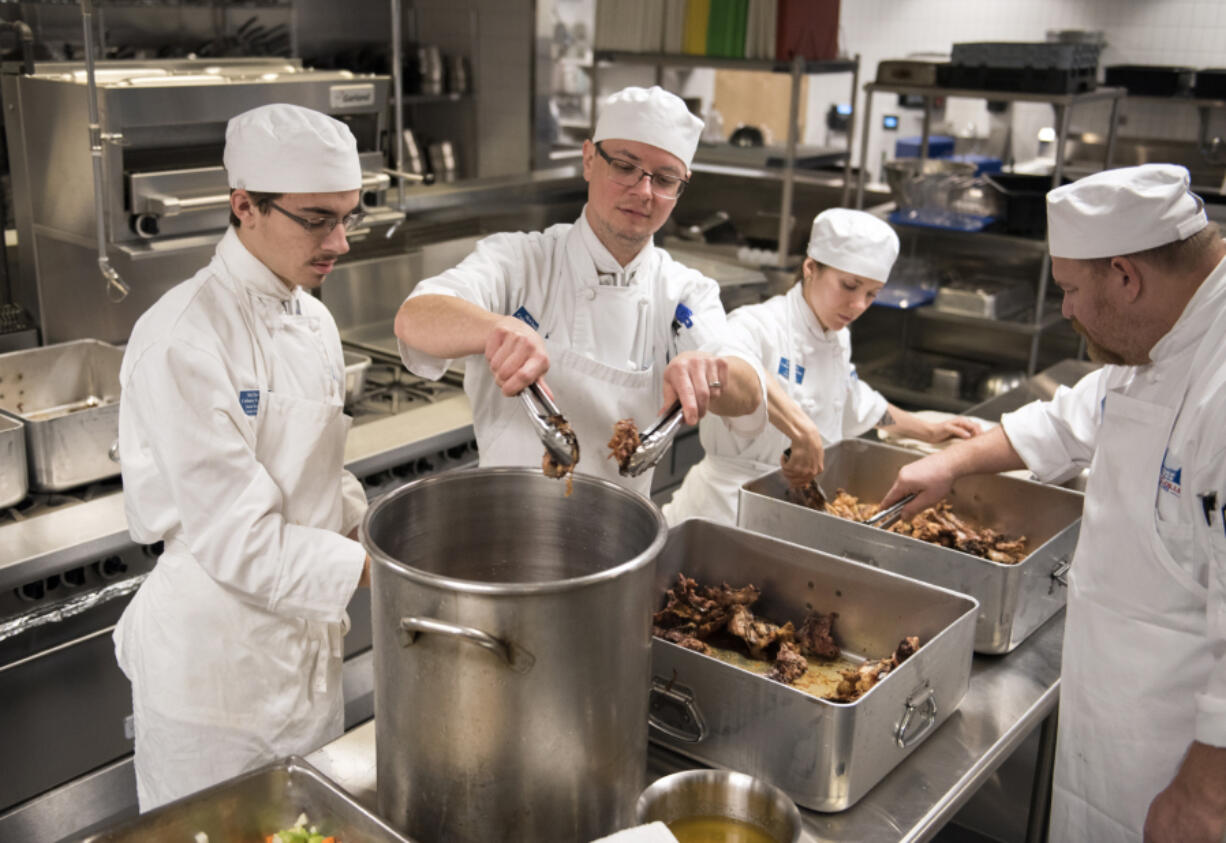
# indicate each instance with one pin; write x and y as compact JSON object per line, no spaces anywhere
{"x":391,"y":389}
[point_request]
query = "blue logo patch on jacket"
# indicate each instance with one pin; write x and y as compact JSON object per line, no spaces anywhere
{"x":684,"y":315}
{"x":800,"y":373}
{"x":249,"y":400}
{"x":785,"y":368}
{"x":524,"y":316}
{"x":1170,"y":480}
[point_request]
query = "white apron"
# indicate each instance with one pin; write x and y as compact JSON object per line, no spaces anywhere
{"x":284,"y":673}
{"x":592,"y":395}
{"x":1135,"y":649}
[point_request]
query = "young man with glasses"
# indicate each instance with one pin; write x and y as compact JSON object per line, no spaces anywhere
{"x":232,"y":438}
{"x":621,"y":328}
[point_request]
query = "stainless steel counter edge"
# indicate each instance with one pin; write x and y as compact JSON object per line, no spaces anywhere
{"x":1008,"y":697}
{"x":41,"y":545}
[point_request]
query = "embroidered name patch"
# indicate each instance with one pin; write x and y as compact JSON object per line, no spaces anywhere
{"x":785,"y":368}
{"x":524,"y":316}
{"x":800,"y":373}
{"x":249,"y":400}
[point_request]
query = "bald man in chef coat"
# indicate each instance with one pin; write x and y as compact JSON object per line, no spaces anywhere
{"x":1142,"y":737}
{"x":616,"y":326}
{"x":233,"y":436}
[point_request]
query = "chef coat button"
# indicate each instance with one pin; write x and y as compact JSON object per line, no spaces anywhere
{"x":590,"y":293}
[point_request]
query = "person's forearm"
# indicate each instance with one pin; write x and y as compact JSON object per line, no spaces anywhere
{"x":901,"y":423}
{"x":444,"y":326}
{"x":785,"y":414}
{"x":743,"y":392}
{"x":988,"y":453}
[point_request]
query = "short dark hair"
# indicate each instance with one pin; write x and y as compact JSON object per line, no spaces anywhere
{"x":262,"y":201}
{"x":1176,"y":257}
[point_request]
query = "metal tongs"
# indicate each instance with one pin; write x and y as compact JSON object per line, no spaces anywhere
{"x":653,"y":443}
{"x":562,"y":445}
{"x":890,"y":514}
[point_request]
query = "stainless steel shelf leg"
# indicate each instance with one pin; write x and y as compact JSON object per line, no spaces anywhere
{"x":1040,"y":791}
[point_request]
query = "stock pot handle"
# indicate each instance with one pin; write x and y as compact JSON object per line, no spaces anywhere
{"x":516,"y":657}
{"x":922,"y":698}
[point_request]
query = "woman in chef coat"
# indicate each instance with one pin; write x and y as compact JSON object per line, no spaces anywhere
{"x":813,"y":394}
{"x":622,"y":329}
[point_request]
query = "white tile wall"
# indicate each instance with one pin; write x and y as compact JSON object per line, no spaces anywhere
{"x":1173,"y":32}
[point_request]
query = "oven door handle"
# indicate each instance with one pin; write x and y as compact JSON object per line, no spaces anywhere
{"x":165,"y":205}
{"x":69,"y":607}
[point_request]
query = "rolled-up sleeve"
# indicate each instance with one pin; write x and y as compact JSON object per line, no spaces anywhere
{"x":230,"y":509}
{"x":1056,"y":438}
{"x":486,"y":278}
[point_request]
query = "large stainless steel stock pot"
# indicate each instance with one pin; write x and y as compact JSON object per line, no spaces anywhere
{"x":512,"y":643}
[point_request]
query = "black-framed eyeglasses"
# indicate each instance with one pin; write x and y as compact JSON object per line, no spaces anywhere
{"x":621,"y":171}
{"x":321,"y":227}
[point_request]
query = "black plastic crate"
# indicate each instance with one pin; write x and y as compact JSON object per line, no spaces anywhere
{"x":1150,"y":80}
{"x":1024,"y":202}
{"x":1030,"y":80}
{"x":1210,"y":84}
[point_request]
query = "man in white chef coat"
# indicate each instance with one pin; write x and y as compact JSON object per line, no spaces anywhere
{"x":1142,"y":735}
{"x":621,"y":328}
{"x":232,"y":438}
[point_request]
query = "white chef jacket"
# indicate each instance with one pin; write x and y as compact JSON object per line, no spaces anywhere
{"x":232,"y":439}
{"x":814,"y":367}
{"x":617,"y":326}
{"x":1168,"y":596}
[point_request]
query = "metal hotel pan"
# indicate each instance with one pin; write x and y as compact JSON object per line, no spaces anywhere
{"x":13,"y":475}
{"x":68,"y":396}
{"x":825,"y":755}
{"x":355,"y":375}
{"x":255,"y":805}
{"x":1014,"y":600}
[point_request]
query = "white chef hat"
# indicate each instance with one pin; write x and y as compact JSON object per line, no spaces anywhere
{"x":855,"y":242}
{"x":650,"y":115}
{"x":1122,"y":211}
{"x":282,"y":148}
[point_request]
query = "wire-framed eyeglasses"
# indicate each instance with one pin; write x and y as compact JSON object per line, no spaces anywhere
{"x":621,"y":171}
{"x":321,"y":227}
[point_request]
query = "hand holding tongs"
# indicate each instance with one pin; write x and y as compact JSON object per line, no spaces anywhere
{"x":562,"y":445}
{"x":653,"y":442}
{"x":817,"y":497}
{"x":890,"y":514}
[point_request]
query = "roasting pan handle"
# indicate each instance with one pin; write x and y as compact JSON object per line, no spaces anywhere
{"x":516,"y":657}
{"x":922,"y":703}
{"x":1059,"y":574}
{"x":667,"y":693}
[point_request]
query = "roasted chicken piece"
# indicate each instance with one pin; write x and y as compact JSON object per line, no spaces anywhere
{"x":758,"y":634}
{"x":676,"y":636}
{"x":552,"y":467}
{"x":816,"y":636}
{"x":789,"y":665}
{"x":701,"y":612}
{"x":859,"y":680}
{"x":624,"y":442}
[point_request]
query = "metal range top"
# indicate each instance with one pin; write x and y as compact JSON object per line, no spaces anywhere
{"x":399,"y":420}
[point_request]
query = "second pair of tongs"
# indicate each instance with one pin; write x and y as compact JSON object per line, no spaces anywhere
{"x":555,"y":434}
{"x":653,"y":443}
{"x":890,"y":514}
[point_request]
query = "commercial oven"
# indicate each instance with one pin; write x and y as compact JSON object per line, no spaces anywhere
{"x":165,"y":200}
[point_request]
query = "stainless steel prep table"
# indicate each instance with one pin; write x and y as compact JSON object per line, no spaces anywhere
{"x":1008,"y":697}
